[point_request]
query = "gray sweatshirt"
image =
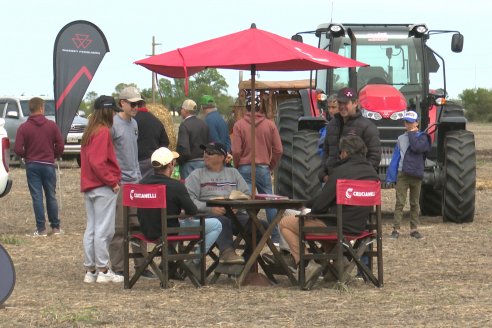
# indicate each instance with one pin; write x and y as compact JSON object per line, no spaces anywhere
{"x":203,"y":184}
{"x":125,"y":135}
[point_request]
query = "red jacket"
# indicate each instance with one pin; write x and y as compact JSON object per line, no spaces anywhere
{"x":39,"y":140}
{"x":268,"y":146}
{"x":98,"y":164}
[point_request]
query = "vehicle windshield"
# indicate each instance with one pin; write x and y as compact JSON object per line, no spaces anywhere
{"x":394,"y":59}
{"x":49,"y":107}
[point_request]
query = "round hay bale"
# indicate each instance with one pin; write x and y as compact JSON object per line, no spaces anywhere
{"x":163,"y":114}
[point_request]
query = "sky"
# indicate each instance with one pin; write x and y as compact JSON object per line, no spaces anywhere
{"x":28,"y":29}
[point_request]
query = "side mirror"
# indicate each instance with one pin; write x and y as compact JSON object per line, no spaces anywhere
{"x":12,"y":114}
{"x":297,"y":37}
{"x":457,"y":42}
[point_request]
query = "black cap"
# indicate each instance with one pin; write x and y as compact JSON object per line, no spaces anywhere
{"x":346,"y":94}
{"x":215,"y":147}
{"x":103,"y":102}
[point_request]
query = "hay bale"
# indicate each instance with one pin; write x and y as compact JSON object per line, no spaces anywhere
{"x":163,"y":114}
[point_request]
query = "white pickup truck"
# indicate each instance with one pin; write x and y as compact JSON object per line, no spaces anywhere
{"x":5,"y":181}
{"x":15,"y":111}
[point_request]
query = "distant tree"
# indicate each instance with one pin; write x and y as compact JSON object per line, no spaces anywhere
{"x":87,"y":104}
{"x":477,"y":104}
{"x":171,"y":93}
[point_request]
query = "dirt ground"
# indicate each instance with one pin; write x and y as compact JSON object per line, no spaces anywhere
{"x":444,"y":280}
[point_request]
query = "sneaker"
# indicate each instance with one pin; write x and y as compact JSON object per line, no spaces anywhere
{"x":395,"y":234}
{"x":313,"y":270}
{"x":417,"y":235}
{"x":57,"y":231}
{"x":38,"y":233}
{"x":109,"y":276}
{"x":229,"y":256}
{"x":147,"y":274}
{"x":287,"y":257}
{"x":90,"y":277}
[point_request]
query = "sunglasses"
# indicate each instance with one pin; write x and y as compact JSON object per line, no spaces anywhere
{"x":211,"y":153}
{"x":132,"y":104}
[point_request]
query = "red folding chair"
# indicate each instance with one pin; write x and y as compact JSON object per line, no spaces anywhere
{"x":170,"y":247}
{"x":355,"y":248}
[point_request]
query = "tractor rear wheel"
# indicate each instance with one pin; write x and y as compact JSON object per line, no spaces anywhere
{"x":458,"y":198}
{"x":289,"y":112}
{"x":430,"y":201}
{"x":305,"y":165}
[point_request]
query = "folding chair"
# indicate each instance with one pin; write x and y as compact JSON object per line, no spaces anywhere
{"x":170,"y":247}
{"x":352,"y":247}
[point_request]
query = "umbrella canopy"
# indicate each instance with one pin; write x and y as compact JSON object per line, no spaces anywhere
{"x":265,"y":50}
{"x":252,"y":49}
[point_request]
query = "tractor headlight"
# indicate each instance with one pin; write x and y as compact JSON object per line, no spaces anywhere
{"x":371,"y":115}
{"x":397,"y":115}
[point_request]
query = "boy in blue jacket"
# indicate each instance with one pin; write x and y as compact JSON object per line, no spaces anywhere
{"x":407,"y":170}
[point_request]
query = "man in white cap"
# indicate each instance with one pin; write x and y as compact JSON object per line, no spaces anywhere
{"x":125,"y":134}
{"x":192,"y":133}
{"x":177,"y":199}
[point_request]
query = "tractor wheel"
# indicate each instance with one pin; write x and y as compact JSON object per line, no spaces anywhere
{"x":289,"y":112}
{"x":305,"y":165}
{"x":458,"y":199}
{"x":430,"y":201}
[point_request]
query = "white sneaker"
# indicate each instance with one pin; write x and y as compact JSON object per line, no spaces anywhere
{"x":109,"y":276}
{"x":90,"y":277}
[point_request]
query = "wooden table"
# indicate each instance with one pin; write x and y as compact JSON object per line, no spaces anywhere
{"x":252,"y":207}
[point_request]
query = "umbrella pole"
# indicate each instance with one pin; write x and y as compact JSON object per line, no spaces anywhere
{"x":253,"y":139}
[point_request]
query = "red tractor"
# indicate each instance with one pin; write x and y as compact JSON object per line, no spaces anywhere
{"x":401,"y":65}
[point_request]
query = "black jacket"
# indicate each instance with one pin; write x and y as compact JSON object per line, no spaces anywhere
{"x":355,"y":167}
{"x":177,"y":199}
{"x":192,"y":133}
{"x":151,"y":134}
{"x":356,"y":125}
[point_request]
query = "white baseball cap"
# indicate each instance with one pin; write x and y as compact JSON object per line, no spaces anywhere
{"x":162,"y":156}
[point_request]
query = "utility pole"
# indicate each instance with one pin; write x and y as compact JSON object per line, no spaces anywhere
{"x":154,"y":75}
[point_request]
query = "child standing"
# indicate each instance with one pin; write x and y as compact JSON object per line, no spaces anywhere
{"x":407,"y":170}
{"x":99,"y":181}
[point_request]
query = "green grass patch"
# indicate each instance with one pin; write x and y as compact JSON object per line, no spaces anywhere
{"x":10,"y":240}
{"x":61,"y":315}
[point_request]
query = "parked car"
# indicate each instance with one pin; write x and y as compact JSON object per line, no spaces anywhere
{"x":5,"y":181}
{"x":15,"y":111}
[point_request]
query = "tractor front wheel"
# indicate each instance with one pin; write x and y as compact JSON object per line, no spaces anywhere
{"x":458,"y":197}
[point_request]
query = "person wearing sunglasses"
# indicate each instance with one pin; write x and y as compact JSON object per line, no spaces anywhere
{"x":124,"y":133}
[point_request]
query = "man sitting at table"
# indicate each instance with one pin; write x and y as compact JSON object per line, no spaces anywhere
{"x":215,"y":180}
{"x":352,"y":165}
{"x":163,"y":161}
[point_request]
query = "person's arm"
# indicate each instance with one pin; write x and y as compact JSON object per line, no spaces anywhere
{"x":163,"y":138}
{"x":19,"y":148}
{"x":326,"y":198}
{"x":103,"y":145}
{"x":241,"y":183}
{"x":236,"y":145}
{"x":185,"y":201}
{"x":58,"y":142}
{"x":183,"y":146}
{"x":373,"y":144}
{"x":277,"y":148}
{"x":192,"y":184}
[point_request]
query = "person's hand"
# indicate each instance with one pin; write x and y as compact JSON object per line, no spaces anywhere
{"x":325,"y":179}
{"x":218,"y":210}
{"x":116,"y":188}
{"x":228,"y":158}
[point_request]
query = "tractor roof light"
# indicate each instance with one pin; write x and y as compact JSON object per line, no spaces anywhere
{"x":335,"y":30}
{"x":417,"y":30}
{"x":441,"y":101}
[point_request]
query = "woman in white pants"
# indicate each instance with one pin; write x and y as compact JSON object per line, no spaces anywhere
{"x":99,"y":181}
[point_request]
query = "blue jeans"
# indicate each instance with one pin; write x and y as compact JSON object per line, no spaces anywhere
{"x":213,"y":227}
{"x":43,"y":177}
{"x":186,"y":168}
{"x":264,"y":186}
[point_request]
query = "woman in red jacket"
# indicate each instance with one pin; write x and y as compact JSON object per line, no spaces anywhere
{"x":99,"y":180}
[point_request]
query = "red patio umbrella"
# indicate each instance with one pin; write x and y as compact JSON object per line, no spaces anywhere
{"x":251,"y":49}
